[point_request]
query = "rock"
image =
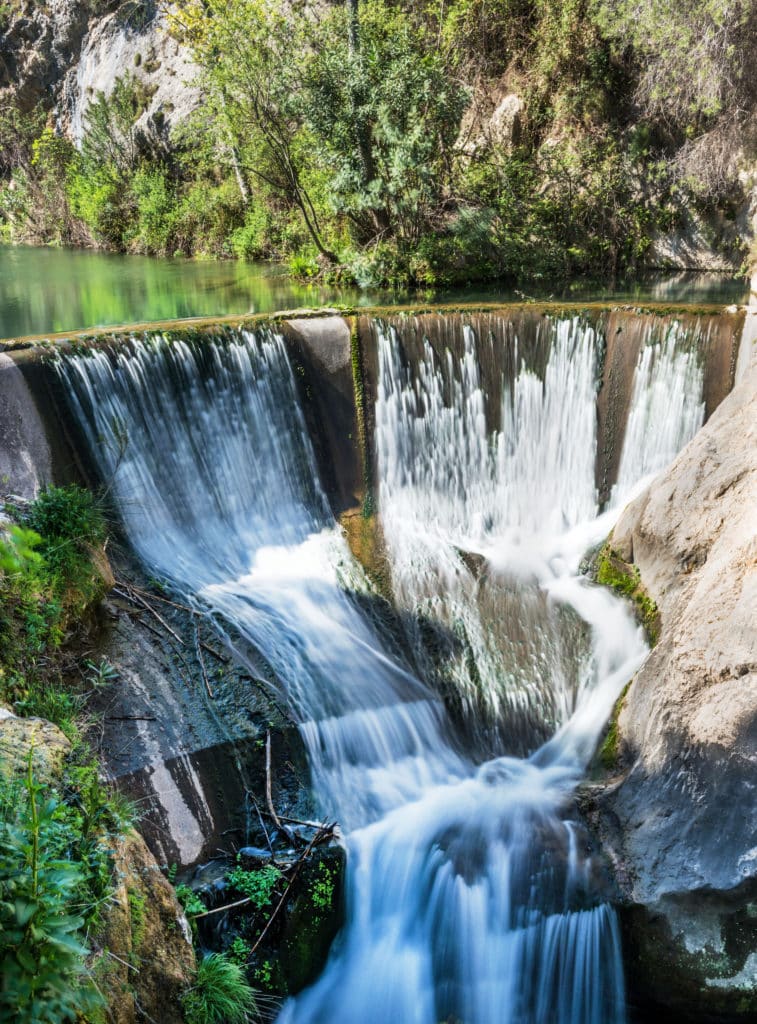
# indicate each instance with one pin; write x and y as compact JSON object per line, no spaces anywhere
{"x":130,"y":41}
{"x":492,"y":120}
{"x":144,"y":958}
{"x":314,"y":916}
{"x":25,"y":461}
{"x":681,"y":825}
{"x":20,"y":735}
{"x":61,"y":53}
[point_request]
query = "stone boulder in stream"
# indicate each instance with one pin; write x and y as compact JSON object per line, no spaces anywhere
{"x":680,"y":821}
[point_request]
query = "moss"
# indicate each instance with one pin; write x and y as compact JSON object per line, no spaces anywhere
{"x":191,"y":326}
{"x":313,"y":921}
{"x":608,"y":755}
{"x":137,"y":902}
{"x":624,"y":578}
{"x":358,"y":383}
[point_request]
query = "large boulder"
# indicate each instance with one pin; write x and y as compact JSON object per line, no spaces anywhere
{"x":680,"y":820}
{"x":143,"y":958}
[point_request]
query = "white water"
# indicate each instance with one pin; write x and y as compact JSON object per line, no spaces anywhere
{"x":667,"y":409}
{"x":471,"y":893}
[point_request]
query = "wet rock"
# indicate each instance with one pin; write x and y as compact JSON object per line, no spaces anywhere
{"x":314,"y":917}
{"x":254,"y":853}
{"x":681,"y":822}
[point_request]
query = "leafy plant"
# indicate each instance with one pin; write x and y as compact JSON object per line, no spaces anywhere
{"x":220,"y":993}
{"x":190,"y":901}
{"x":42,"y":957}
{"x":258,"y":886}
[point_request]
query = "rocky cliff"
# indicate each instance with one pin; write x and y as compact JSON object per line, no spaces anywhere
{"x":680,"y":820}
{"x":61,"y":54}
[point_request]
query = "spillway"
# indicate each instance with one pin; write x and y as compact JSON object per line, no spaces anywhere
{"x":473,"y":893}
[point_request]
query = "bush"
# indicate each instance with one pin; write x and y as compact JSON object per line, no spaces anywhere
{"x":47,"y":580}
{"x":220,"y":994}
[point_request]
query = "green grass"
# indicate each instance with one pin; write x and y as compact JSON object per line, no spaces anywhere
{"x":220,"y":993}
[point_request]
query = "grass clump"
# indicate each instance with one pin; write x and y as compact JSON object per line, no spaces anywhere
{"x":220,"y":994}
{"x":625,"y":579}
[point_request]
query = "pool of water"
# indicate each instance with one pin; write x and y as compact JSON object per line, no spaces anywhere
{"x":43,"y":290}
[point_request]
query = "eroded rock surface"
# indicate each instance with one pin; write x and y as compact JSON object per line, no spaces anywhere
{"x":681,"y":824}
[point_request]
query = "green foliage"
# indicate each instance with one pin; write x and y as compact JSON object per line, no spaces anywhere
{"x":47,"y":580}
{"x":258,"y":886}
{"x":17,"y":551}
{"x":190,"y":901}
{"x":239,"y":951}
{"x":625,"y":580}
{"x":42,"y":958}
{"x":220,"y":993}
{"x":369,"y":158}
{"x":322,"y":889}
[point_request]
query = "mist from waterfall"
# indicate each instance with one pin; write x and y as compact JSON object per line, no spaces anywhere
{"x":472,"y":892}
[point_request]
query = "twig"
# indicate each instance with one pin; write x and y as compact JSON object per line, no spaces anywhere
{"x":201,"y":660}
{"x":251,"y":796}
{"x":130,"y":966}
{"x":268,"y":796}
{"x":137,"y":600}
{"x":130,"y":718}
{"x":217,"y":910}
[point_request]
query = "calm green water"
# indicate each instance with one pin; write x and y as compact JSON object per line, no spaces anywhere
{"x":44,"y":290}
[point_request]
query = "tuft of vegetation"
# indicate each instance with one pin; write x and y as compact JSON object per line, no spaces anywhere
{"x":624,"y":578}
{"x":220,"y":993}
{"x":56,"y":871}
{"x":609,"y":752}
{"x":49,"y":577}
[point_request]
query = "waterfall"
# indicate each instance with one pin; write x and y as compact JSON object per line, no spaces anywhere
{"x":210,"y":464}
{"x":667,"y":409}
{"x":472,"y":893}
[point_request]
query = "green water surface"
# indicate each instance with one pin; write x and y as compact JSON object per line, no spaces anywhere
{"x":43,"y":290}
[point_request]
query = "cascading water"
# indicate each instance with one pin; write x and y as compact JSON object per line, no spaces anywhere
{"x":471,"y":894}
{"x":216,"y":481}
{"x":666,"y":410}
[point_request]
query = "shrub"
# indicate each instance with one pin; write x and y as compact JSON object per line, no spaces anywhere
{"x":220,"y":994}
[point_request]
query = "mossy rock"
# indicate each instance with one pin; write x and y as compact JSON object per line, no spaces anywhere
{"x":314,"y":918}
{"x":19,"y":736}
{"x":144,"y":960}
{"x":612,"y":571}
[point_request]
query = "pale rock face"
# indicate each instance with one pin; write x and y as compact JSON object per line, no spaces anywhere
{"x":116,"y":46}
{"x":682,"y":823}
{"x":60,"y":55}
